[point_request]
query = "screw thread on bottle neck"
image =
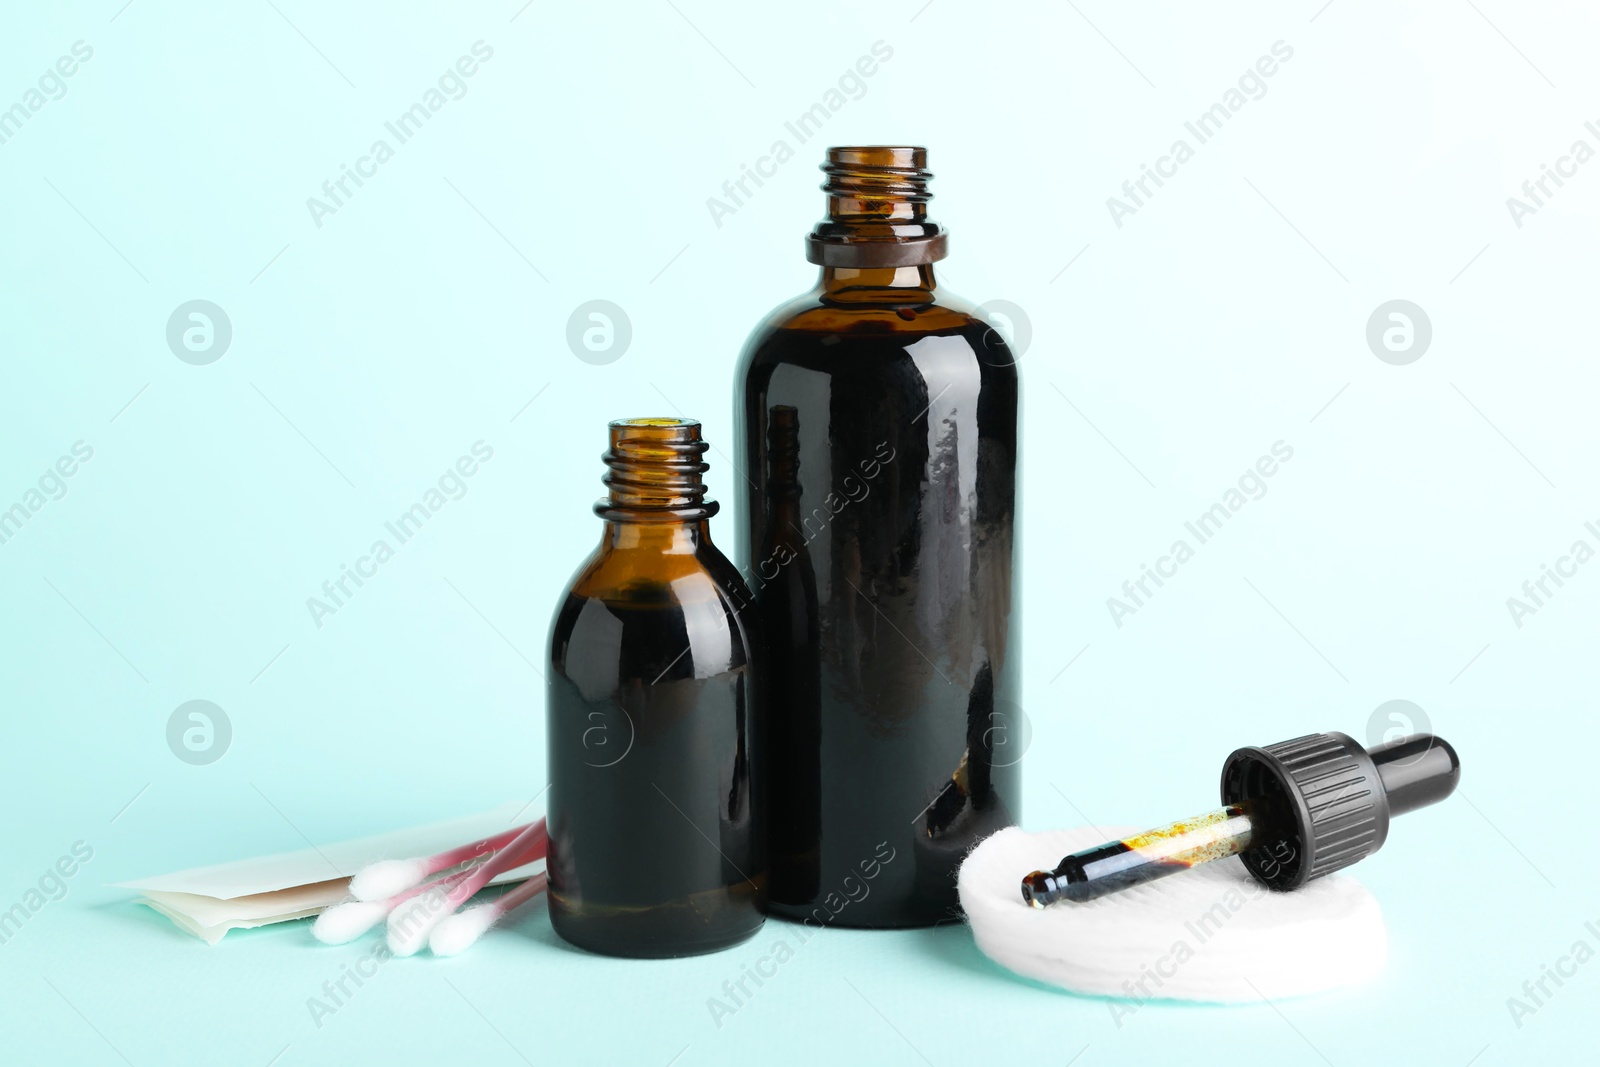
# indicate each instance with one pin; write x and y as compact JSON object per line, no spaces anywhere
{"x":877,"y":209}
{"x":653,"y":472}
{"x":878,"y":183}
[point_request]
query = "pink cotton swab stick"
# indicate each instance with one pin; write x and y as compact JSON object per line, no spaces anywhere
{"x":411,"y":923}
{"x":383,"y":880}
{"x":458,"y":932}
{"x":343,"y":923}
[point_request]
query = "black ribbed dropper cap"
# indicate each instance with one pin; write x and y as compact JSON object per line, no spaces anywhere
{"x":1331,"y":799}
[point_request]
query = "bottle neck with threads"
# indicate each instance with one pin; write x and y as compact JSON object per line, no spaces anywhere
{"x":877,"y":243}
{"x":656,"y":500}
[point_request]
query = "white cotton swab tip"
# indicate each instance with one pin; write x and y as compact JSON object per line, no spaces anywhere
{"x":343,"y":923}
{"x":387,"y":878}
{"x":461,"y":931}
{"x":411,"y":922}
{"x":458,"y":932}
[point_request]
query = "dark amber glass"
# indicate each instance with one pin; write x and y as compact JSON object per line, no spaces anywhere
{"x":656,"y":837}
{"x":878,"y":417}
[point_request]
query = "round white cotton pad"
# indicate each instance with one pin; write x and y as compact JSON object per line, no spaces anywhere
{"x":1210,"y":934}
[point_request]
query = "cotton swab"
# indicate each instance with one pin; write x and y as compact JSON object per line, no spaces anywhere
{"x":457,"y":933}
{"x":384,"y":879}
{"x":412,"y":922}
{"x":345,"y":922}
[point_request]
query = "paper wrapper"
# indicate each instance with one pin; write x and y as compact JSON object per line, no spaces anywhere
{"x":209,"y":901}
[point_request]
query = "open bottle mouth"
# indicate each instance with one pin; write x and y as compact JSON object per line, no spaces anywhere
{"x":877,"y":209}
{"x":654,"y":470}
{"x":868,"y":179}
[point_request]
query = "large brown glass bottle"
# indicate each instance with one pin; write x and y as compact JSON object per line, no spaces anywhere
{"x":656,"y":839}
{"x":879,"y":425}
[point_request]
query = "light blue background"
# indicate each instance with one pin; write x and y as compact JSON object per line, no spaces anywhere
{"x":368,"y":354}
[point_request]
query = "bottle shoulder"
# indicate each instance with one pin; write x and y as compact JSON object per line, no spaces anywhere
{"x":650,"y":585}
{"x":813,"y":331}
{"x":812,"y":312}
{"x":645,"y":577}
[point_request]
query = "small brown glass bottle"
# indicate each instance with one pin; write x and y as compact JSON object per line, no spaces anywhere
{"x":656,"y":836}
{"x":879,"y":423}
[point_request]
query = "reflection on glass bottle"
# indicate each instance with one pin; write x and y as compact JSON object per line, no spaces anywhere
{"x":968,"y":808}
{"x":656,"y":841}
{"x":786,"y":598}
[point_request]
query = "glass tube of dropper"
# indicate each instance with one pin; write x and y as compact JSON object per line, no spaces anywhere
{"x":1118,"y":865}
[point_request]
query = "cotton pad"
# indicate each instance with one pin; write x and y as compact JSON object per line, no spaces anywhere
{"x":1209,"y":934}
